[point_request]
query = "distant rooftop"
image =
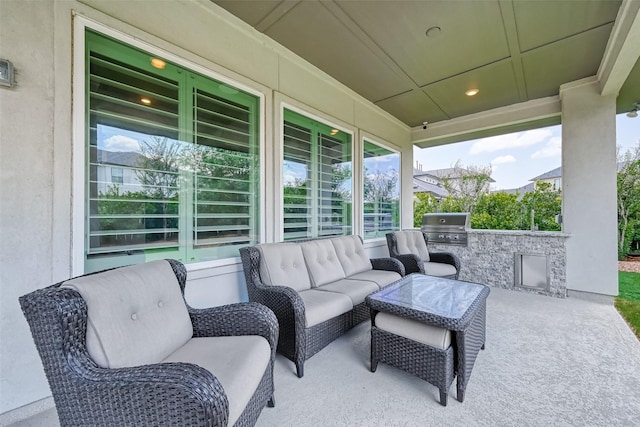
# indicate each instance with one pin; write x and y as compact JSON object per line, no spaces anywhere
{"x":554,"y":173}
{"x":420,"y":186}
{"x":557,"y":173}
{"x":120,"y":158}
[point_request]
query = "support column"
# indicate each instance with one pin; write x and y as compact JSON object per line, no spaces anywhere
{"x":589,"y":187}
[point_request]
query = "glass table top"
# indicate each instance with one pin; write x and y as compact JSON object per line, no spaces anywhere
{"x":441,"y":297}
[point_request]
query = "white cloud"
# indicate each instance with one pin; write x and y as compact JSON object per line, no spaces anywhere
{"x":553,"y":148}
{"x":121,"y":143}
{"x":290,"y":178}
{"x":503,"y":159}
{"x":514,"y":140}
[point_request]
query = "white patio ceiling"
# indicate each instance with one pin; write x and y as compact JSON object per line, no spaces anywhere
{"x":513,"y":51}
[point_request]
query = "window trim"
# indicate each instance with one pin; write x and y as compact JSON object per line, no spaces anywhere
{"x":79,"y":103}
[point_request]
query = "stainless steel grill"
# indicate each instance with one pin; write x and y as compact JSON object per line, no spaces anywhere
{"x":449,"y":228}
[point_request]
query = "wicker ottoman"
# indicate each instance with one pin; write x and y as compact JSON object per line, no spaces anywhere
{"x":420,"y":349}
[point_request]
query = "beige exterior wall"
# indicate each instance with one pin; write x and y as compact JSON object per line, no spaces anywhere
{"x":37,"y":145}
{"x":589,"y":204}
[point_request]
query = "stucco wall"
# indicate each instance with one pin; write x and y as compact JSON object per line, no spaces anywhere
{"x":36,"y":152}
{"x":589,"y":187}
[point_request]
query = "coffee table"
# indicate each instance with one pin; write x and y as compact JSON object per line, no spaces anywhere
{"x":454,"y":305}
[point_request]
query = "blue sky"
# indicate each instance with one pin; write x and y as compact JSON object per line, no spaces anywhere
{"x":518,"y":157}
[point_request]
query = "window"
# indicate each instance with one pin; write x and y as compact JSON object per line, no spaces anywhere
{"x":116,"y":175}
{"x":381,"y":191}
{"x":190,"y":149}
{"x":317,"y":180}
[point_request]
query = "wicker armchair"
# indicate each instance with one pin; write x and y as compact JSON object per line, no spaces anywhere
{"x":410,"y":248}
{"x":170,"y":393}
{"x":297,"y":341}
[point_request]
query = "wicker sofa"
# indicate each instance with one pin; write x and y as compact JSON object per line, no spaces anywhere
{"x":316,"y":288}
{"x":122,"y":348}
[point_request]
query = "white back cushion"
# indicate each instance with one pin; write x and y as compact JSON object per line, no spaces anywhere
{"x":351,"y":254}
{"x":136,"y":315}
{"x":283,"y":264}
{"x":322,"y":262}
{"x":412,"y":242}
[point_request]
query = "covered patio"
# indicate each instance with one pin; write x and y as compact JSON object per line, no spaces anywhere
{"x":548,"y":361}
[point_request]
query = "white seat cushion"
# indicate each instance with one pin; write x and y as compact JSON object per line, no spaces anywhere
{"x":135,"y":315}
{"x":351,"y":254}
{"x":412,"y":242}
{"x":414,"y":330}
{"x":322,"y":305}
{"x":322,"y":262}
{"x":380,"y":277}
{"x":239,"y":363}
{"x":283,"y":264}
{"x":439,"y":269}
{"x":357,"y":290}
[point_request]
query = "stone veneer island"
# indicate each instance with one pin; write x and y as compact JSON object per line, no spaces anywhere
{"x":490,"y":258}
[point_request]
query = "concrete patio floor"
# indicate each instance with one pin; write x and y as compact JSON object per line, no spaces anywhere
{"x":548,"y":362}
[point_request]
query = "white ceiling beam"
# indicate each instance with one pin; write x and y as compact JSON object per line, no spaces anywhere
{"x":623,"y":49}
{"x":511,"y":32}
{"x":274,"y":16}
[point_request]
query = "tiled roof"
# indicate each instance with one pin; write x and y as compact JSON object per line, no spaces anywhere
{"x":554,"y":173}
{"x":120,"y":158}
{"x":420,"y":186}
{"x":557,"y":172}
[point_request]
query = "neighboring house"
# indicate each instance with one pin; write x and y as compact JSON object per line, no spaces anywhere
{"x":553,"y":177}
{"x":425,"y":182}
{"x":432,"y":181}
{"x":117,"y":168}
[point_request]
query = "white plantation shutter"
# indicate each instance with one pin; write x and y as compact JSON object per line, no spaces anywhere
{"x":298,"y":194}
{"x":224,"y":199}
{"x":381,"y":190}
{"x":317,"y":179}
{"x":188,"y":148}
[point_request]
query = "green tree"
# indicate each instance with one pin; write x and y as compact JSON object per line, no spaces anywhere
{"x":424,"y":203}
{"x":158,"y":167}
{"x":628,"y":183}
{"x":466,"y":185}
{"x":546,"y":203}
{"x":158,"y":170}
{"x":497,"y":211}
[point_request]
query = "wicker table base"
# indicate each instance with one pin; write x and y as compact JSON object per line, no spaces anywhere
{"x":451,"y":304}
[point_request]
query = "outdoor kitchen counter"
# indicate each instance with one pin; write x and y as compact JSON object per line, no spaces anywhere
{"x":491,"y":256}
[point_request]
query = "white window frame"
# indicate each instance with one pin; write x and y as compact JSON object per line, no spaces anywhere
{"x":396,"y":150}
{"x":279,"y":162}
{"x":80,"y":25}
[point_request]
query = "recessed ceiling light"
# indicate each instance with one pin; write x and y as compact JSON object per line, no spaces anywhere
{"x":472,"y":92}
{"x":433,"y":32}
{"x":145,"y":101}
{"x":158,"y":63}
